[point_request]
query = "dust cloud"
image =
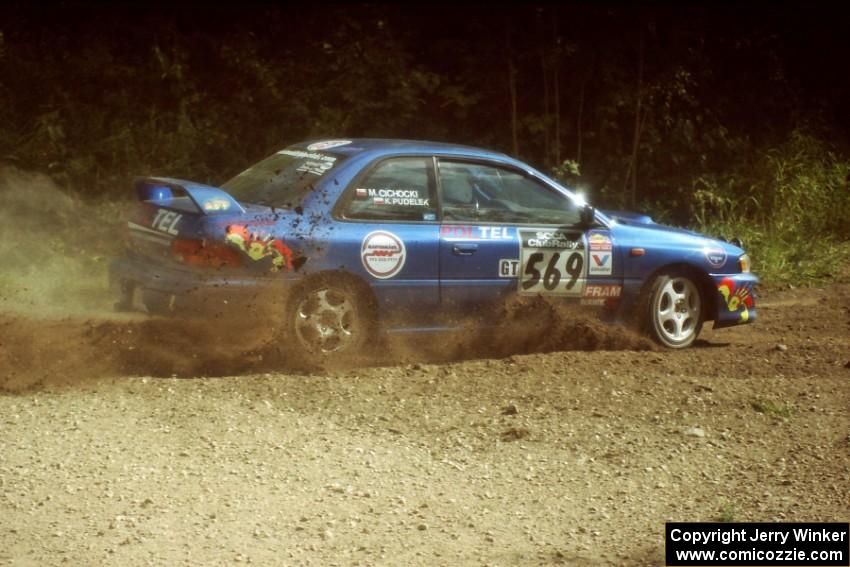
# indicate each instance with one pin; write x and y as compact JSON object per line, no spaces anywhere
{"x":524,"y":325}
{"x":58,"y":325}
{"x":54,"y":248}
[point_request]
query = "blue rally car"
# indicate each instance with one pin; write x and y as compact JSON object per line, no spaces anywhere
{"x":364,"y":236}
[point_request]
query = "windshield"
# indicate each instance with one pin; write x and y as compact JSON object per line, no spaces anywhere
{"x":283,"y":179}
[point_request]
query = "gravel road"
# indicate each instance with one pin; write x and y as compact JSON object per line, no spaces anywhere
{"x":572,"y":457}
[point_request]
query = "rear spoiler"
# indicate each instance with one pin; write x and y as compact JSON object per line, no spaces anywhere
{"x":186,"y":196}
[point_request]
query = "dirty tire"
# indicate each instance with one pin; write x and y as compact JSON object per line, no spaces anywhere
{"x":669,"y":310}
{"x":329,"y":317}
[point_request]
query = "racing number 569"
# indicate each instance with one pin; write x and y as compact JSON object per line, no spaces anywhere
{"x":552,"y":275}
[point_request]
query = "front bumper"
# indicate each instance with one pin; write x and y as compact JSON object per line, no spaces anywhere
{"x":150,"y":286}
{"x":736,"y":299}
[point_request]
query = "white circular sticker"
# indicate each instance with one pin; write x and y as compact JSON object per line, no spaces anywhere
{"x":327,"y":145}
{"x":382,"y":254}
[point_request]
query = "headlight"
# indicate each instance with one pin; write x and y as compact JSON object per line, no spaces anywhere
{"x":744,"y":263}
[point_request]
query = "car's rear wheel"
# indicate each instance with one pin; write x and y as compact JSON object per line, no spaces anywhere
{"x":671,"y":310}
{"x":328,"y":318}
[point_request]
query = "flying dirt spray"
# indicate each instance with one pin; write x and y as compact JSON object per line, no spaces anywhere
{"x":59,"y":327}
{"x":57,"y":322}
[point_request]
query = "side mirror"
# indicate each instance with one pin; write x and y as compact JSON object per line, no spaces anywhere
{"x":588,"y":215}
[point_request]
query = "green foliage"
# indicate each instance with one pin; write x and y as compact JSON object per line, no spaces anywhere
{"x":202,"y":101}
{"x":770,"y":407}
{"x":567,"y":172}
{"x":728,"y":513}
{"x":790,"y":206}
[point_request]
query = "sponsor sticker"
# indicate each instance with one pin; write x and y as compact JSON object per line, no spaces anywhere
{"x":603,"y":291}
{"x":600,"y":295}
{"x":600,"y":263}
{"x":216,"y":205}
{"x":316,"y":167}
{"x":715,"y":256}
{"x":361,"y":193}
{"x":166,"y":221}
{"x":328,"y":145}
{"x":555,"y":239}
{"x":456,"y":232}
{"x":308,"y":155}
{"x":508,"y":268}
{"x":260,"y":245}
{"x":383,"y":254}
{"x":464,"y":232}
{"x":599,"y":241}
{"x":738,"y":298}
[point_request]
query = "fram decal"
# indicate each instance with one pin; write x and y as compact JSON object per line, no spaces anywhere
{"x":326,"y":145}
{"x":463,"y":232}
{"x":166,"y":221}
{"x":508,"y":268}
{"x":603,"y":291}
{"x":736,"y":298}
{"x":600,"y":263}
{"x":258,"y":246}
{"x":715,"y":256}
{"x":599,"y":241}
{"x":383,"y":254}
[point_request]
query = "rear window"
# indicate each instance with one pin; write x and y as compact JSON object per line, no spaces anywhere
{"x":282,"y":180}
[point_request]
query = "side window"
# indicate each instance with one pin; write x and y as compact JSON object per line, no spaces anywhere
{"x":396,"y":189}
{"x":476,"y":192}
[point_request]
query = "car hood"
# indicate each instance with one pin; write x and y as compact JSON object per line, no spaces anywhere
{"x":651,"y":229}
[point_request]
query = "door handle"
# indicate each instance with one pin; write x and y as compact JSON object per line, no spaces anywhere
{"x":464,"y":249}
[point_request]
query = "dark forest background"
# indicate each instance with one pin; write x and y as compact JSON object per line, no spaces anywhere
{"x":733,"y":119}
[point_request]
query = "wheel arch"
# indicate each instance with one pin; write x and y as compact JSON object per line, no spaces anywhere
{"x":704,"y":283}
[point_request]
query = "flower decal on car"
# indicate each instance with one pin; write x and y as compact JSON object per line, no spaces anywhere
{"x":258,"y":246}
{"x":737,"y":298}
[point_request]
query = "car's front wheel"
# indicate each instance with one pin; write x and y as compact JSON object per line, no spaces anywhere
{"x":328,"y":318}
{"x":671,"y":310}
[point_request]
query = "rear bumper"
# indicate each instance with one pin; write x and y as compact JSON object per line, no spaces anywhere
{"x":148,"y":286}
{"x":736,"y":299}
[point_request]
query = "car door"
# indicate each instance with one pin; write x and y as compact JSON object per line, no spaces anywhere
{"x":505,"y":231}
{"x":388,"y":227}
{"x":478,"y":256}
